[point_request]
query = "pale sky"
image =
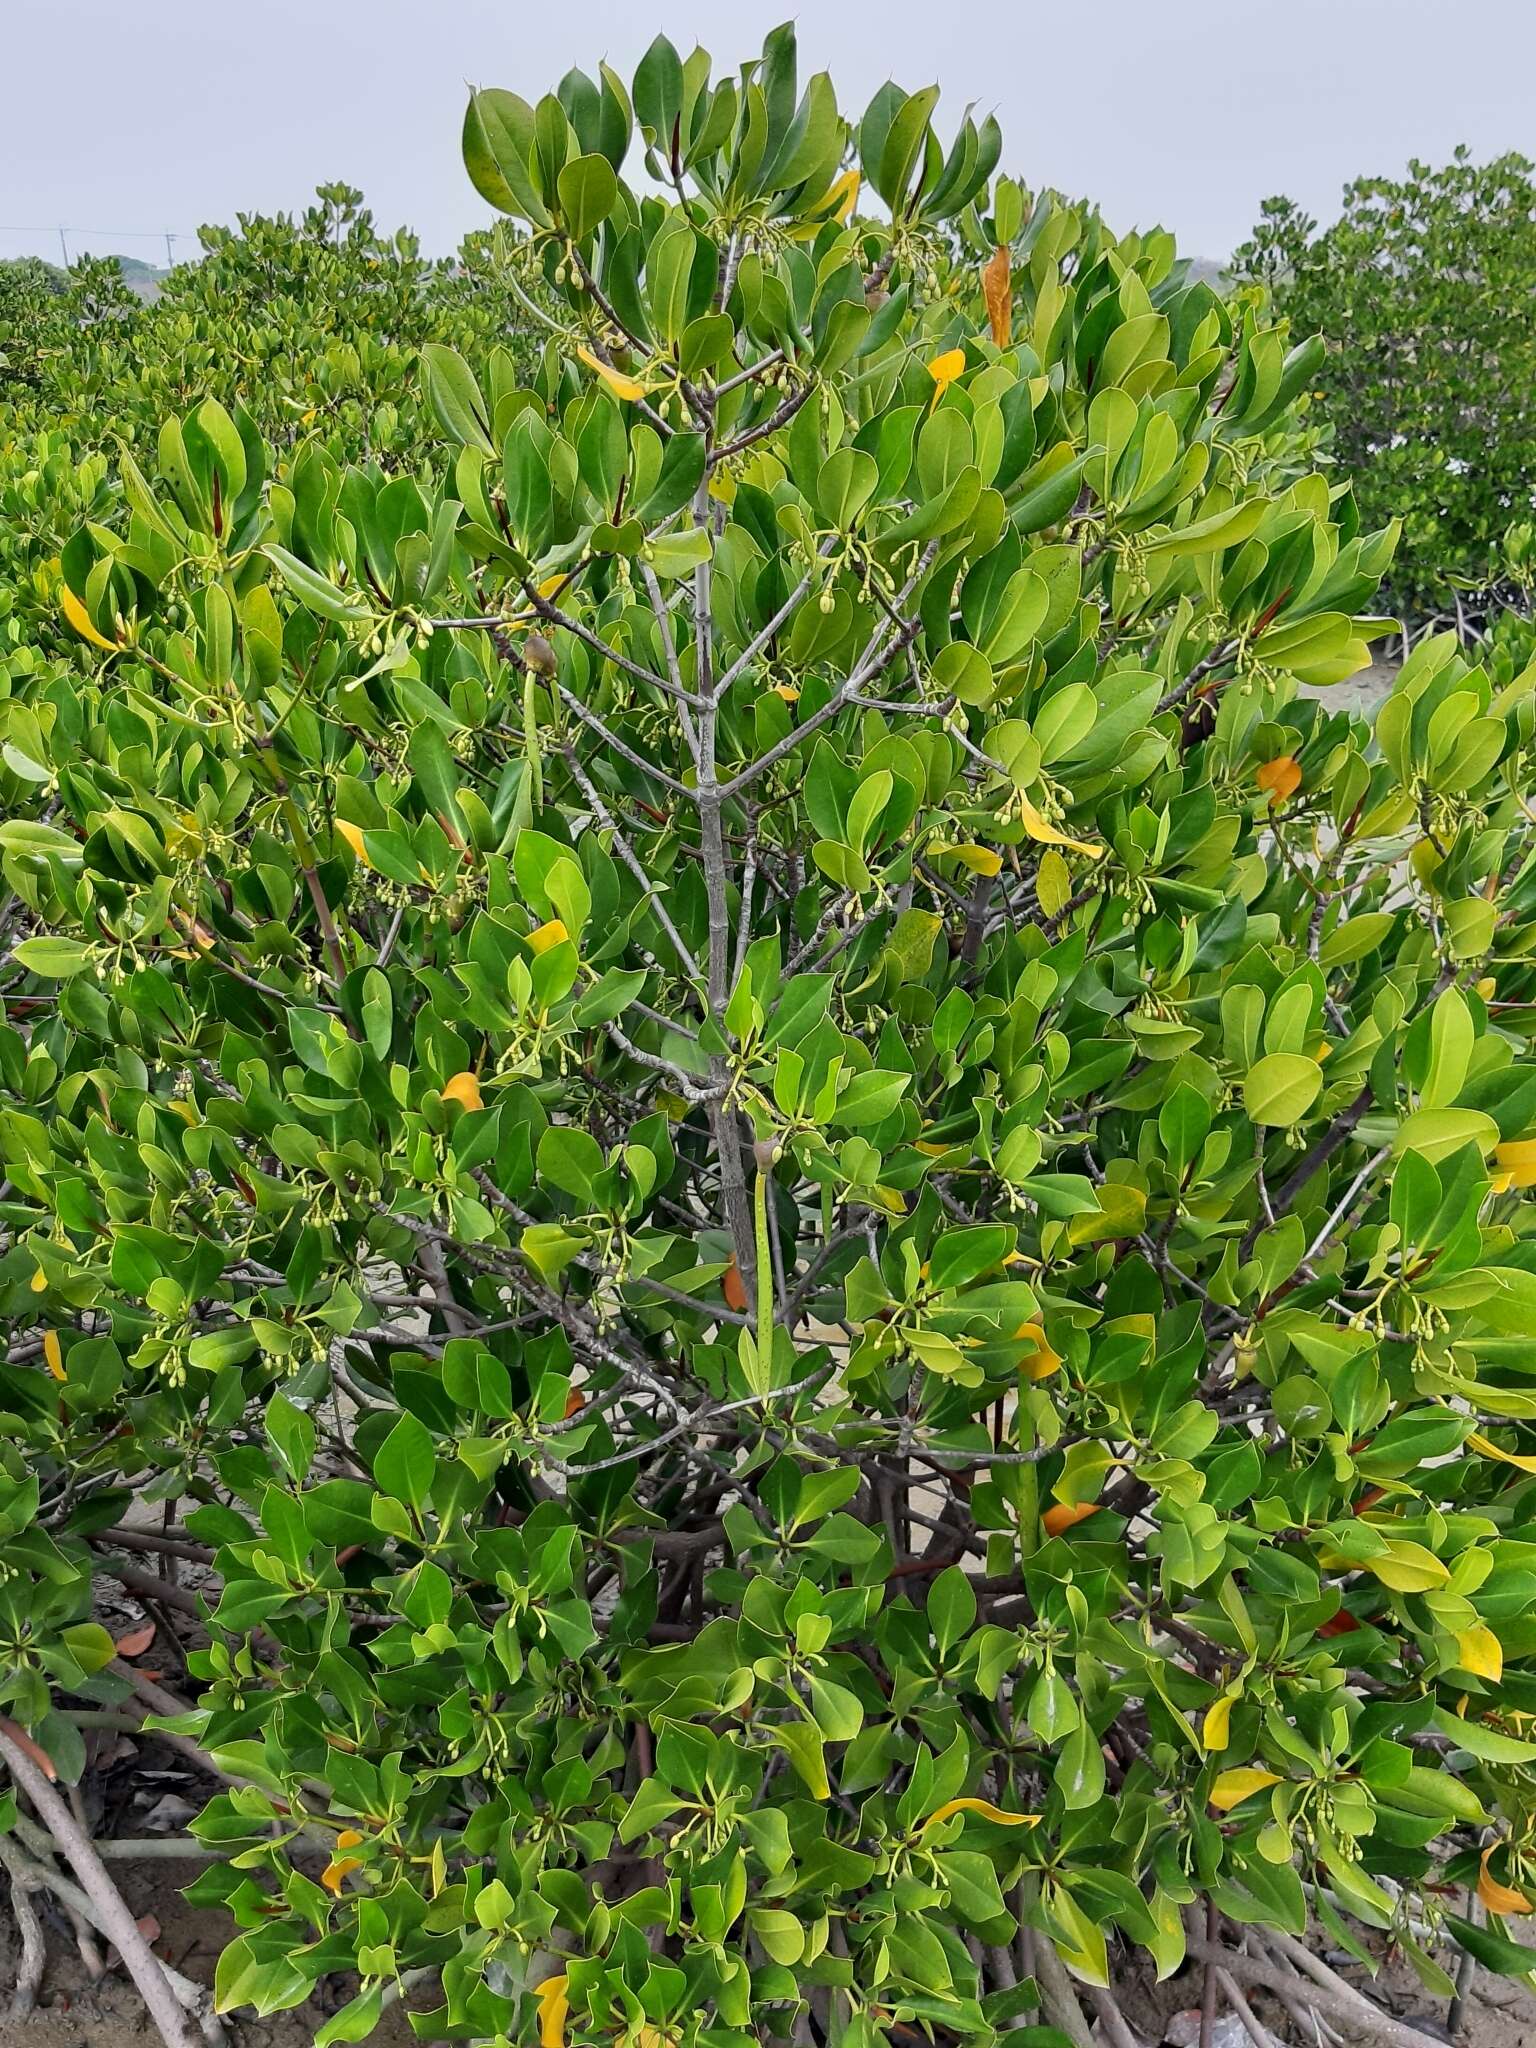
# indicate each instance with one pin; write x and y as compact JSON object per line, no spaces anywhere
{"x":1187,"y":113}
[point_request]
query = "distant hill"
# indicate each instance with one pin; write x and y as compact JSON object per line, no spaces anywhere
{"x":140,"y":277}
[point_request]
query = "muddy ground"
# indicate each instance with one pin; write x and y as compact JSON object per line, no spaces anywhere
{"x":73,"y":2013}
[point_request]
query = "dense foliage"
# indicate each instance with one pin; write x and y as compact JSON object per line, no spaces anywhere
{"x":814,"y":1210}
{"x":1430,"y":368}
{"x":307,"y":329}
{"x":311,"y":326}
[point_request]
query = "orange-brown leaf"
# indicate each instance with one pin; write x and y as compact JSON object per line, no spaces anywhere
{"x":1341,"y":1624}
{"x":1066,"y":1515}
{"x":332,"y":1875}
{"x":136,"y":1642}
{"x":997,"y":290}
{"x":1281,"y":778}
{"x":23,"y":1741}
{"x":731,"y":1287}
{"x":1499,"y":1898}
{"x":463,"y":1089}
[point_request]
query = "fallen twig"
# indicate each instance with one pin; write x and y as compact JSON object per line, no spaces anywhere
{"x":29,"y":1971}
{"x":110,"y":1913}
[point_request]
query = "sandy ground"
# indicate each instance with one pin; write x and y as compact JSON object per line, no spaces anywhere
{"x":1362,"y":693}
{"x":74,"y":2013}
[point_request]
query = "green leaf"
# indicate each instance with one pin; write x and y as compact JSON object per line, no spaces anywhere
{"x":870,"y":1098}
{"x":455,"y":398}
{"x":56,"y":959}
{"x":405,"y":1463}
{"x":1438,"y":1133}
{"x":1495,"y":1951}
{"x":315,"y":592}
{"x":588,"y":192}
{"x":1281,"y":1088}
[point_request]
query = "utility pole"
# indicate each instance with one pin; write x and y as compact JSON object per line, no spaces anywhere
{"x":65,"y":247}
{"x":170,"y":253}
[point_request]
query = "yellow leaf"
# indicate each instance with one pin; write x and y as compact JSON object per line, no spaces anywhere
{"x":39,"y":1282}
{"x":1498,"y":1898}
{"x":944,"y":370}
{"x":80,"y":619}
{"x":335,"y":1871}
{"x":53,"y":1353}
{"x":1483,"y":1444}
{"x":981,"y":860}
{"x":1233,"y":1787}
{"x":787,"y":691}
{"x":1519,"y":1159}
{"x":1043,"y":1360}
{"x":1215,"y":1732}
{"x":1481,"y":1652}
{"x":620,"y":385}
{"x":353,"y":835}
{"x":986,"y":1809}
{"x":997,"y":290}
{"x":554,"y":2004}
{"x":546,"y":935}
{"x":463,"y":1089}
{"x":1037,"y":828}
{"x":1407,"y":1567}
{"x":349,"y":1838}
{"x":1281,"y":777}
{"x":840,"y":198}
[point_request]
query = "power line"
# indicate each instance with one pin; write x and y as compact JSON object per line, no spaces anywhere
{"x":170,"y":237}
{"x":120,"y":234}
